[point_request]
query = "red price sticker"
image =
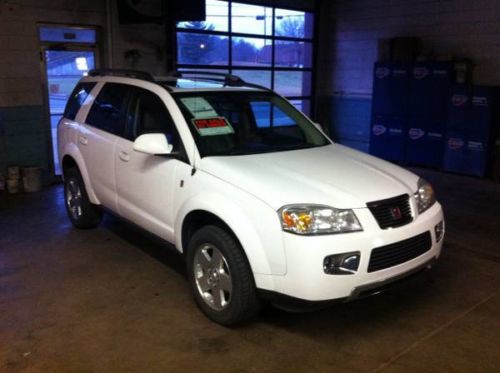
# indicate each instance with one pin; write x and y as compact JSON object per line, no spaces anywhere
{"x":213,"y":126}
{"x":210,"y":123}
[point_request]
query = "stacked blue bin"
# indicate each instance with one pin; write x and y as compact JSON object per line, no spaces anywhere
{"x":430,"y":84}
{"x":469,"y":134}
{"x":389,"y":110}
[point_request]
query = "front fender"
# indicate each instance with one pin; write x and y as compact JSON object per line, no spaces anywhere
{"x":70,"y":149}
{"x":255,"y":225}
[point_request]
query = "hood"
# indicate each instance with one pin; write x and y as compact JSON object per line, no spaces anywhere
{"x":332,"y":175}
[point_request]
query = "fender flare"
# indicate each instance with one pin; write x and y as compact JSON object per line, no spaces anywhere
{"x":236,"y":219}
{"x":72,"y":151}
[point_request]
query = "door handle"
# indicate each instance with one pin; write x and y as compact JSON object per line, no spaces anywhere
{"x":83,"y":140}
{"x":124,"y":156}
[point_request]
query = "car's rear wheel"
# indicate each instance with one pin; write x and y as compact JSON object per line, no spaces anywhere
{"x":220,"y":276}
{"x":82,"y":213}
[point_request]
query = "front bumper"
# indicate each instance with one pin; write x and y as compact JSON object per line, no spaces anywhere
{"x":306,"y":280}
{"x":292,"y":304}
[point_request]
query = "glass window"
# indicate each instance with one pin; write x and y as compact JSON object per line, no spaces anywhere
{"x":252,"y":51}
{"x":67,"y":34}
{"x":303,"y":106}
{"x":251,"y":19}
{"x":235,"y":123}
{"x":293,"y":54}
{"x":217,"y":16}
{"x":77,"y":98}
{"x":260,"y":77}
{"x":293,"y":24}
{"x":202,"y":49}
{"x":293,"y":83}
{"x":148,"y":114}
{"x":200,"y":79}
{"x":107,"y":111}
{"x":268,"y":46}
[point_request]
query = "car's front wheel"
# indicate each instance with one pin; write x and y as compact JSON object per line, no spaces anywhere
{"x":82,"y":213}
{"x":220,"y":276}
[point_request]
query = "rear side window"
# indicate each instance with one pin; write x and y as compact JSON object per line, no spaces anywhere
{"x":108,"y":110}
{"x":77,"y":98}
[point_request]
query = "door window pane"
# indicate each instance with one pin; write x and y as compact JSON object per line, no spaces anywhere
{"x":107,"y":111}
{"x":293,"y":83}
{"x":252,"y":52}
{"x":202,"y":49}
{"x":260,"y":77}
{"x":252,"y":19}
{"x":293,"y":54}
{"x":148,"y":114}
{"x":294,"y":24}
{"x":64,"y":69}
{"x":217,"y":17}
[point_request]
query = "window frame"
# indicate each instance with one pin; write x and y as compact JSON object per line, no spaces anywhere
{"x":272,"y":68}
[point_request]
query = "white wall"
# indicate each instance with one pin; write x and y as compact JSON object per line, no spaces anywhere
{"x":350,"y":30}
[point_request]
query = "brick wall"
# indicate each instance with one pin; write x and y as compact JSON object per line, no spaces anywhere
{"x":24,"y":128}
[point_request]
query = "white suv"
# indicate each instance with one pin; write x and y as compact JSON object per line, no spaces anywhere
{"x":261,"y":202}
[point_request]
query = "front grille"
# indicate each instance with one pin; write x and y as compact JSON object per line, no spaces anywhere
{"x":392,"y":212}
{"x":399,"y":252}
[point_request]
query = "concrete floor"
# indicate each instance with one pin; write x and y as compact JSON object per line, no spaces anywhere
{"x":112,"y":299}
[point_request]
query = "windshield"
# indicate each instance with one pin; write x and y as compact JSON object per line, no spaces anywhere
{"x":236,"y":123}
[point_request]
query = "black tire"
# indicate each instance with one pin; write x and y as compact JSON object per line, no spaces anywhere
{"x":86,"y":215}
{"x":243,"y":303}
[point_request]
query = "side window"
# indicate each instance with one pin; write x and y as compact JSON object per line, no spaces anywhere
{"x":108,"y":110}
{"x":76,"y":99}
{"x":148,"y":114}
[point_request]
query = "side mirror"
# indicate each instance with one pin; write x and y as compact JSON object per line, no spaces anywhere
{"x":153,"y":143}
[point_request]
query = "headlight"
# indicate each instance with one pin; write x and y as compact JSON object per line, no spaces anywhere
{"x":317,"y":219}
{"x":424,"y":196}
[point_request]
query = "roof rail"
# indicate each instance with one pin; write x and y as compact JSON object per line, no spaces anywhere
{"x":136,"y":74}
{"x":229,"y":80}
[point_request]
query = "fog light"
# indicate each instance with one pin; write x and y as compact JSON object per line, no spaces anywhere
{"x":341,"y":264}
{"x":439,"y":230}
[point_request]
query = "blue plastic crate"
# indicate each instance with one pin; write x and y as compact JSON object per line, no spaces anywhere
{"x":430,"y":88}
{"x":459,"y":106}
{"x":471,"y":121}
{"x":477,"y":156}
{"x":424,"y":142}
{"x":387,"y":138}
{"x":391,"y":88}
{"x":455,"y":152}
{"x":480,"y":118}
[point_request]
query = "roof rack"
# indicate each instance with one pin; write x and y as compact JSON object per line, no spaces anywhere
{"x":229,"y":80}
{"x":136,"y":74}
